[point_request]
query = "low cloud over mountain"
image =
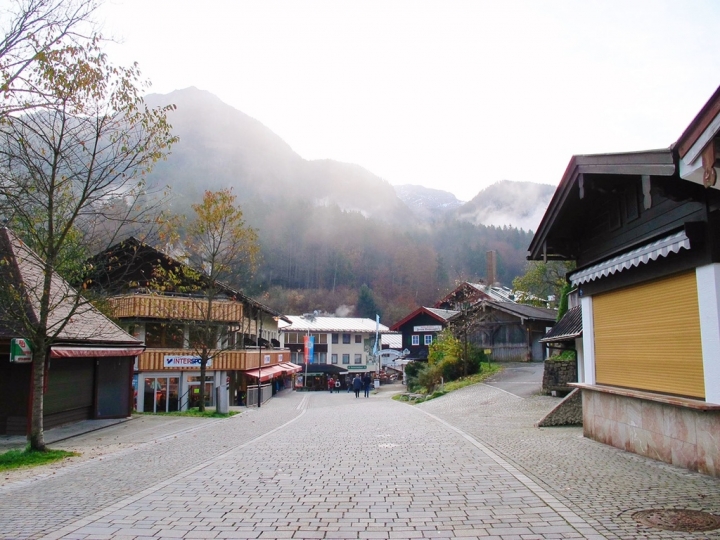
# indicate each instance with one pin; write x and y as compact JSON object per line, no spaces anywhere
{"x":506,"y":203}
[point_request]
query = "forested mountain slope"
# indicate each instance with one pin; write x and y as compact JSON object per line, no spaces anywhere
{"x":325,"y":227}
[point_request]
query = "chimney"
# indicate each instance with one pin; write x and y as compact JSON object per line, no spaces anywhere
{"x":491,"y":270}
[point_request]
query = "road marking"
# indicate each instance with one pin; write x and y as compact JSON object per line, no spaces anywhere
{"x":572,"y":519}
{"x":84,"y":522}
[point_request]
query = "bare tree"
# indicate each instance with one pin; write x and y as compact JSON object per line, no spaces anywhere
{"x":72,"y":168}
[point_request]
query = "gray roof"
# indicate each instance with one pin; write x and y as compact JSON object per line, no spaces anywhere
{"x":82,"y":321}
{"x":300,"y":323}
{"x":567,"y":328}
{"x":525,"y":311}
{"x":445,"y":314}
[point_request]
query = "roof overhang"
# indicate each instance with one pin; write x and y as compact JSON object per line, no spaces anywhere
{"x":698,"y":147}
{"x":570,"y":190}
{"x":68,"y":351}
{"x":641,"y":255}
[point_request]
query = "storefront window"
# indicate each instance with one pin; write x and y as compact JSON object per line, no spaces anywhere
{"x":161,"y":394}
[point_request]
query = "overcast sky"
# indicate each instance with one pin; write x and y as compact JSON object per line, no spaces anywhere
{"x":453,"y":95}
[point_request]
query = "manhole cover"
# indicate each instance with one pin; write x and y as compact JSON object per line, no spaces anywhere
{"x":678,"y":520}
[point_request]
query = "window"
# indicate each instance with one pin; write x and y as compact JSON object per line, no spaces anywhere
{"x":358,"y":358}
{"x":320,"y":338}
{"x":333,"y":358}
{"x":416,"y":339}
{"x":164,"y":335}
{"x":322,"y":357}
{"x":428,"y":339}
{"x":346,"y":339}
{"x":358,"y":338}
{"x":346,"y":358}
{"x":335,"y":338}
{"x":297,"y":357}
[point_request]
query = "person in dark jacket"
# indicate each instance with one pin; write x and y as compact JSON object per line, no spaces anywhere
{"x":366,"y":380}
{"x":357,"y":385}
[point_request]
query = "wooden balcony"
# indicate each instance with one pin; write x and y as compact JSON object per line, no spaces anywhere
{"x":230,"y":360}
{"x":157,"y":306}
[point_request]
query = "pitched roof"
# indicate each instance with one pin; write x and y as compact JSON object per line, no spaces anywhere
{"x":300,"y":323}
{"x":72,"y":318}
{"x":441,"y":315}
{"x":524,"y":311}
{"x":134,"y":261}
{"x":567,"y":328}
{"x":501,"y":294}
{"x":551,"y":240}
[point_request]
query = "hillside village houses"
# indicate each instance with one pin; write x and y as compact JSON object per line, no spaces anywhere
{"x":248,"y":353}
{"x":341,"y":347}
{"x":644,"y":230}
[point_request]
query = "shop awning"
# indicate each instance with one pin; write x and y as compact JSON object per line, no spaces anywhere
{"x":264,"y":374}
{"x":290,"y":368}
{"x":93,"y":352}
{"x":636,"y":257}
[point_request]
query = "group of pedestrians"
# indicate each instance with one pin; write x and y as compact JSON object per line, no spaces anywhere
{"x":356,"y":384}
{"x":361,"y":384}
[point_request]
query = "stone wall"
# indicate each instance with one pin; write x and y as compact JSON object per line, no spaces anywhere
{"x":567,"y":413}
{"x":686,"y":437}
{"x":557,"y":375}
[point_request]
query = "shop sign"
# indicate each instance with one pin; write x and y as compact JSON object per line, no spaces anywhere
{"x":266,"y":359}
{"x":20,"y":351}
{"x":187,"y":362}
{"x":357,"y":368}
{"x":428,"y":328}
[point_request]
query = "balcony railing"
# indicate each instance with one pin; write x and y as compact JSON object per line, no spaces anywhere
{"x":175,"y":307}
{"x":228,"y":360}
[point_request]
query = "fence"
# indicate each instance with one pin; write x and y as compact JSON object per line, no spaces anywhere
{"x":252,"y":394}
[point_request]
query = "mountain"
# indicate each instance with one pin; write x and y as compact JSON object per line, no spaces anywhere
{"x":327,"y":228}
{"x":507,"y":203}
{"x":426,"y":203}
{"x":222,"y":147}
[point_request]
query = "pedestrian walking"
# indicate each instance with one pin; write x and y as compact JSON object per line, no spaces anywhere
{"x":366,"y":380}
{"x":331,"y":384}
{"x":337,"y":385}
{"x":357,"y":385}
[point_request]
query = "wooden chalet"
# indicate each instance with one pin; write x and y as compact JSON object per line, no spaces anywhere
{"x":163,"y":312}
{"x":510,"y":331}
{"x":420,"y":328}
{"x":644,"y":230}
{"x":88,"y":374}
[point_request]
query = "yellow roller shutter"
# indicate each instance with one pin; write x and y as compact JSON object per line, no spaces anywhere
{"x":647,"y":337}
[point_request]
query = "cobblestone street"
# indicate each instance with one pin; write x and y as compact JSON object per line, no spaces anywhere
{"x":320,"y":465}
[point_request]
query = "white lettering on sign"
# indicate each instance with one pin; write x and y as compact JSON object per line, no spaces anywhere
{"x":191,"y":362}
{"x":428,"y":328}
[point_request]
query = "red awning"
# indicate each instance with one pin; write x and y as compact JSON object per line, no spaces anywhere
{"x":290,"y":368}
{"x":93,"y":352}
{"x":266,"y":373}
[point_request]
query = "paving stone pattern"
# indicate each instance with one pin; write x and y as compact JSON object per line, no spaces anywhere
{"x":601,"y":484}
{"x":333,"y":466}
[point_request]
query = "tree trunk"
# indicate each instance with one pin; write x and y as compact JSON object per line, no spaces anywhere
{"x":36,"y":437}
{"x":203,"y":366}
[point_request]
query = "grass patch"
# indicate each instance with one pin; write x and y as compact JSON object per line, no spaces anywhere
{"x":451,"y":386}
{"x":194,"y":412}
{"x":16,"y":459}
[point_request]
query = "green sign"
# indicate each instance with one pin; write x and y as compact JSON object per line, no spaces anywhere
{"x":20,"y":351}
{"x":356,"y":368}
